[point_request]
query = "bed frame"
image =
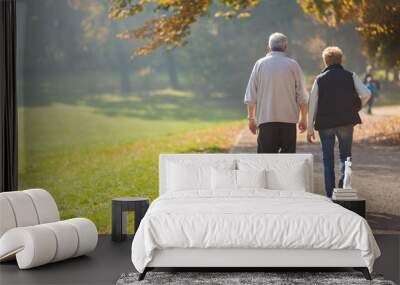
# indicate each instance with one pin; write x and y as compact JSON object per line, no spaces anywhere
{"x":246,"y":259}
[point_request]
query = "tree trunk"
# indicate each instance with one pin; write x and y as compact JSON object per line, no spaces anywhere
{"x":122,"y":61}
{"x":124,"y":70}
{"x":386,"y":74}
{"x":395,"y":73}
{"x":172,"y":73}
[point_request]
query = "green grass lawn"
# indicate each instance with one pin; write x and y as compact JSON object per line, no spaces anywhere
{"x":106,"y":145}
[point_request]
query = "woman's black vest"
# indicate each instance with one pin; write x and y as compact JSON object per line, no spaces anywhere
{"x":338,"y":101}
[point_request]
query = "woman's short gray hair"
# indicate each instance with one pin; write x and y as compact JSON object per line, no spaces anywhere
{"x":332,"y":55}
{"x":277,"y":42}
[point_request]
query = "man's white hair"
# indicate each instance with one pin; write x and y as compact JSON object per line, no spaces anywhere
{"x":277,"y":42}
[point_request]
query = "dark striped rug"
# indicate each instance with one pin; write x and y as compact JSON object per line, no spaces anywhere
{"x":244,"y":278}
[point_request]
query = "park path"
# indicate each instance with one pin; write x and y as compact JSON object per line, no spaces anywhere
{"x":376,"y":170}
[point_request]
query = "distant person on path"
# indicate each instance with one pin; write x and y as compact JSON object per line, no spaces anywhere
{"x":336,"y":98}
{"x":368,"y":73}
{"x":373,"y":88}
{"x":275,"y":96}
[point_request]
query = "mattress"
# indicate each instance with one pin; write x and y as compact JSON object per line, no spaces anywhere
{"x":250,"y":219}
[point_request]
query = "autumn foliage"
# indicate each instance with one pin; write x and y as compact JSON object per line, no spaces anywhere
{"x":378,"y":22}
{"x":175,"y":17}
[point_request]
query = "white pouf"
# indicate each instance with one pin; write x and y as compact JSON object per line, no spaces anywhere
{"x":31,"y":232}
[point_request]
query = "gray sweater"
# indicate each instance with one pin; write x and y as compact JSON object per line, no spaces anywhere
{"x":277,"y":87}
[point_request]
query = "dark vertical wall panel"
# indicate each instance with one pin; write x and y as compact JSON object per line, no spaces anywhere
{"x":8,"y":100}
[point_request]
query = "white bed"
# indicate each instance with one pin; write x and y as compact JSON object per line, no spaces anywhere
{"x":248,"y":227}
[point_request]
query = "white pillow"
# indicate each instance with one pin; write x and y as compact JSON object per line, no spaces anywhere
{"x":281,"y":174}
{"x":251,"y":178}
{"x":228,"y":179}
{"x":223,"y":179}
{"x":191,"y":174}
{"x":188,"y":177}
{"x":291,"y":178}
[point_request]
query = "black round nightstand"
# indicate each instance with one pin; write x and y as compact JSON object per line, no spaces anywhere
{"x":357,"y":206}
{"x":119,"y":208}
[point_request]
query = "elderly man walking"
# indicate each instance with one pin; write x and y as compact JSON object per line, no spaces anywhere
{"x":275,"y":96}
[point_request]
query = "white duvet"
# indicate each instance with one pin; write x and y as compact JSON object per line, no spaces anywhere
{"x":250,"y":219}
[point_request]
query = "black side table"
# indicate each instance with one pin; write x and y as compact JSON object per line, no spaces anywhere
{"x":119,"y":208}
{"x":357,"y":206}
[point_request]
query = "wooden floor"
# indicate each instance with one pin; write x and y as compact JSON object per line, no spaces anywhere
{"x":111,"y":259}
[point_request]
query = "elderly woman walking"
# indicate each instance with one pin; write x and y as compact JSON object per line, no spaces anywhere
{"x":336,"y":98}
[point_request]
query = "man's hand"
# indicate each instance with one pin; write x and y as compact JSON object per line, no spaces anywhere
{"x":252,"y":125}
{"x":303,"y":117}
{"x":310,"y":137}
{"x":303,"y":125}
{"x":251,"y":116}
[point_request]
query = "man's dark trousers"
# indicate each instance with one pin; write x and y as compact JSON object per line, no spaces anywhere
{"x":276,"y":138}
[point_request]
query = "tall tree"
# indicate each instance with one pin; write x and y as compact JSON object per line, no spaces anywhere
{"x":99,"y":30}
{"x":377,"y":21}
{"x":171,"y":69}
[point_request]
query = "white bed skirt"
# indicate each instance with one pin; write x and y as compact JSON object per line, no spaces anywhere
{"x":189,"y":257}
